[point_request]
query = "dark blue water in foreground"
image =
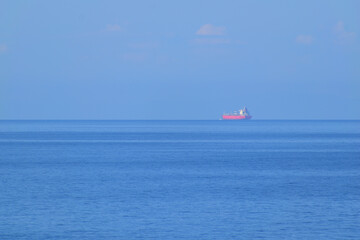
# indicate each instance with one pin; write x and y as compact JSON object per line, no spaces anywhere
{"x":180,"y":180}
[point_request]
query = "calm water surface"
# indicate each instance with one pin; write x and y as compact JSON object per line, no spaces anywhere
{"x":180,"y":180}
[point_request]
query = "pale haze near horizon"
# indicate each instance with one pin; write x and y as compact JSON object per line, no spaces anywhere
{"x":179,"y":60}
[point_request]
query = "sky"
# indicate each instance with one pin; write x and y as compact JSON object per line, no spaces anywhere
{"x":158,"y":60}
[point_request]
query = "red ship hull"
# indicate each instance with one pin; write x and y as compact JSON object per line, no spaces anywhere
{"x":234,"y":117}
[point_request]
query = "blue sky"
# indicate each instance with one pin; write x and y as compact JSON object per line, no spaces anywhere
{"x":179,"y":60}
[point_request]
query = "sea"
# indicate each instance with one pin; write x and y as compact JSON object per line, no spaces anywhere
{"x":180,"y":180}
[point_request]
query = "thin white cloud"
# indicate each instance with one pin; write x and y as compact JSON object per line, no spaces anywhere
{"x":304,"y":39}
{"x":212,"y":41}
{"x":113,"y":28}
{"x":343,"y":35}
{"x":210,"y":30}
{"x":3,"y":48}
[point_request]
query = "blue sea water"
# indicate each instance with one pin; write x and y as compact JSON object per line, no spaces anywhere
{"x":180,"y":180}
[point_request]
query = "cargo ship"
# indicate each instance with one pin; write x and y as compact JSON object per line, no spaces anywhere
{"x":242,"y":114}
